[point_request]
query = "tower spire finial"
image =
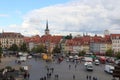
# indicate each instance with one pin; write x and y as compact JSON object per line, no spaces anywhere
{"x":47,"y":24}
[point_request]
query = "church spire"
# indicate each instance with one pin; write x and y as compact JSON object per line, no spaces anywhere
{"x":47,"y":29}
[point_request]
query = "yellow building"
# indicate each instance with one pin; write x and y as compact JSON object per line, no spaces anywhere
{"x":9,"y":38}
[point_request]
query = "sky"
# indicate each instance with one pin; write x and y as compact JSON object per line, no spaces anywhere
{"x":29,"y":17}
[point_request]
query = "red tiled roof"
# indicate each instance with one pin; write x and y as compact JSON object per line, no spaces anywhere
{"x":115,"y":36}
{"x":35,"y":39}
{"x":85,"y":40}
{"x":11,"y":34}
{"x":51,"y":39}
{"x":44,"y":39}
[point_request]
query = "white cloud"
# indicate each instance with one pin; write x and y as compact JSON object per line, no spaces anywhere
{"x":4,"y":15}
{"x":77,"y":16}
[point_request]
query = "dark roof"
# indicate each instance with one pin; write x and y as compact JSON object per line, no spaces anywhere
{"x":11,"y":35}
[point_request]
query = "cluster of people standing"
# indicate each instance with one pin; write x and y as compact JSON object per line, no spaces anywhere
{"x":26,"y":75}
{"x":50,"y":72}
{"x":89,"y":77}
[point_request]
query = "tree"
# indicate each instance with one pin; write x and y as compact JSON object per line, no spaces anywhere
{"x":0,"y":53}
{"x":0,"y":49}
{"x":23,"y":47}
{"x":68,"y":36}
{"x":118,"y":55}
{"x":39,"y":49}
{"x":109,"y":53}
{"x":56,"y":49}
{"x":82,"y":53}
{"x":14,"y":47}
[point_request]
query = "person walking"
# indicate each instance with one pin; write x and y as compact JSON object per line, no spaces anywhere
{"x":73,"y":77}
{"x":25,"y":75}
{"x":87,"y":77}
{"x":45,"y":78}
{"x":75,"y":66}
{"x":52,"y":70}
{"x":94,"y":78}
{"x":69,"y":66}
{"x":28,"y":75}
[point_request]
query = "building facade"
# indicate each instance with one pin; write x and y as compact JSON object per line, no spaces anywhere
{"x":115,"y":42}
{"x":7,"y":39}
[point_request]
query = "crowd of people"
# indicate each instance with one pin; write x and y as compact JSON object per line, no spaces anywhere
{"x":50,"y":71}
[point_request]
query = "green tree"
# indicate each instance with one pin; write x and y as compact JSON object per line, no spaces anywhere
{"x":82,"y":53}
{"x":68,"y":36}
{"x":0,"y":53}
{"x":56,"y":49}
{"x":109,"y":53}
{"x":14,"y":47}
{"x":39,"y":49}
{"x":23,"y":47}
{"x":0,"y":49}
{"x":118,"y":55}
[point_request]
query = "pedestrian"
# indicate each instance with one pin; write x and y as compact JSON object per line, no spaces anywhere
{"x":44,"y":77}
{"x":69,"y":66}
{"x":47,"y":75}
{"x":56,"y":76}
{"x":75,"y":66}
{"x":87,"y":77}
{"x":73,"y":77}
{"x":52,"y":69}
{"x":47,"y":69}
{"x":25,"y":75}
{"x":41,"y":78}
{"x":28,"y":75}
{"x":94,"y":78}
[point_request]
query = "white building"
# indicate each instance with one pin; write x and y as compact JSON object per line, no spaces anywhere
{"x":98,"y":48}
{"x":115,"y":42}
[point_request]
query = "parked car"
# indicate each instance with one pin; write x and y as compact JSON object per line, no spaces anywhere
{"x":97,"y":62}
{"x":29,"y":56}
{"x":22,"y":58}
{"x":109,"y":69}
{"x":117,"y":61}
{"x":89,"y":66}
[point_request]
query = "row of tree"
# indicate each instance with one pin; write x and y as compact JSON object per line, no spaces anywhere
{"x":57,"y":49}
{"x":15,"y":48}
{"x":22,"y":48}
{"x":111,"y":53}
{"x":43,"y":49}
{"x":37,"y":49}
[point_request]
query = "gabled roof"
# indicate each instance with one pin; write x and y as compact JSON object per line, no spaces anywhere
{"x":43,"y":39}
{"x":115,"y":36}
{"x":11,"y":35}
{"x":51,"y":39}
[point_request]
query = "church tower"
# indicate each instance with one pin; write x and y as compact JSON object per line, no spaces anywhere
{"x":106,"y":32}
{"x":47,"y":30}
